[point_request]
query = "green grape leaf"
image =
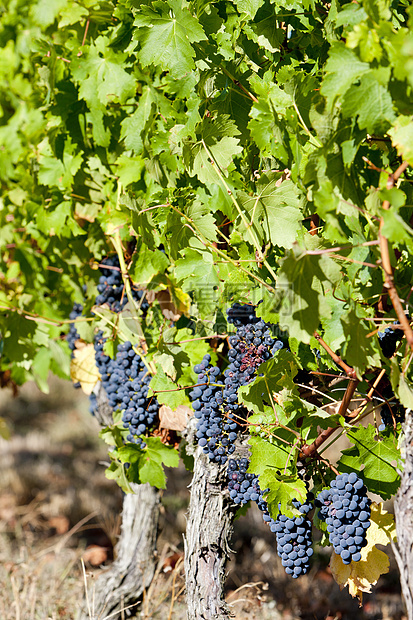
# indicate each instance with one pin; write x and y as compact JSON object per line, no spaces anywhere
{"x":250,"y":7}
{"x":377,"y":455}
{"x":272,"y":376}
{"x":282,"y":492}
{"x":343,"y":69}
{"x":371,"y":103}
{"x":402,"y":137}
{"x":101,"y":74}
{"x":146,"y":465}
{"x":165,"y":31}
{"x":405,"y":390}
{"x":214,"y":150}
{"x":266,"y":455}
{"x":147,"y":264}
{"x":166,"y":391}
{"x":274,"y":211}
{"x":307,"y":281}
{"x":357,"y":328}
{"x":117,"y":472}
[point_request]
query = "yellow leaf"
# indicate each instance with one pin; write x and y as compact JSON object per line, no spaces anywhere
{"x":4,"y":429}
{"x":360,"y":576}
{"x":83,"y":368}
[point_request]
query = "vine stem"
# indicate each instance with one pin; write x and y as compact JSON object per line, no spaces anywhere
{"x":370,"y":393}
{"x":238,"y":83}
{"x":341,"y":247}
{"x":386,"y":262}
{"x":310,"y":451}
{"x":350,"y":372}
{"x":313,"y":139}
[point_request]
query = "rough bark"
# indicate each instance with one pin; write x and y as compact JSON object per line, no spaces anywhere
{"x":123,"y":584}
{"x":403,"y":509}
{"x":209,"y":528}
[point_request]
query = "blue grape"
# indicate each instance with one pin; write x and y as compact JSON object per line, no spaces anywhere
{"x":347,"y":528}
{"x":73,"y":334}
{"x":215,"y":397}
{"x":111,"y":288}
{"x":389,"y":339}
{"x":293,"y":535}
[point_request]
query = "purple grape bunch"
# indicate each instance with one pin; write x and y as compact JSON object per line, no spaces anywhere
{"x":215,"y":396}
{"x":345,"y":508}
{"x":293,"y":534}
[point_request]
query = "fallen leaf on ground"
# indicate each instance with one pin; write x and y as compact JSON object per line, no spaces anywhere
{"x":95,"y":555}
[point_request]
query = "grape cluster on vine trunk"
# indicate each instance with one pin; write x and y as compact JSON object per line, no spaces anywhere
{"x":215,"y":396}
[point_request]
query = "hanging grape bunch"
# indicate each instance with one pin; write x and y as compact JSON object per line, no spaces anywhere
{"x":345,"y":508}
{"x":293,"y":534}
{"x":215,"y":396}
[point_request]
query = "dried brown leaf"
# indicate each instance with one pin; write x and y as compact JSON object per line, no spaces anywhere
{"x":174,"y":420}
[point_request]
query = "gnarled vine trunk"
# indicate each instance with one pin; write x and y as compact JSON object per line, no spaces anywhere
{"x":208,"y":531}
{"x":403,"y":508}
{"x":123,"y":584}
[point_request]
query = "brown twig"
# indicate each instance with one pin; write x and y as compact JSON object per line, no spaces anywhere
{"x":310,"y":451}
{"x":350,"y":372}
{"x":340,"y":247}
{"x":371,"y":165}
{"x":386,"y":263}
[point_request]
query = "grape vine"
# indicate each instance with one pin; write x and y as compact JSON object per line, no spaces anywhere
{"x":160,"y":160}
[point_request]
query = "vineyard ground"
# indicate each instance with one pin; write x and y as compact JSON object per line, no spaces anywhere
{"x":57,"y":509}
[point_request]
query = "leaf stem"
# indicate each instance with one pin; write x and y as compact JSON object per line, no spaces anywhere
{"x":211,"y":246}
{"x":238,"y":83}
{"x":314,"y":141}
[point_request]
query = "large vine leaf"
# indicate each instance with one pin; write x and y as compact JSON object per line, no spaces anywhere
{"x":165,"y":31}
{"x":274,"y":211}
{"x":379,"y":456}
{"x":214,"y":149}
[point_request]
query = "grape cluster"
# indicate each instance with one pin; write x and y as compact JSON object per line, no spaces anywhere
{"x":139,"y":410}
{"x":111,"y":287}
{"x":216,"y":433}
{"x":389,"y":339}
{"x":397,"y":412}
{"x":215,"y":398}
{"x":392,"y":410}
{"x":345,"y":508}
{"x":73,"y":334}
{"x":294,"y":538}
{"x":126,"y":382}
{"x":242,"y":486}
{"x":251,"y":346}
{"x":293,"y":535}
{"x":106,"y":367}
{"x":241,"y":314}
